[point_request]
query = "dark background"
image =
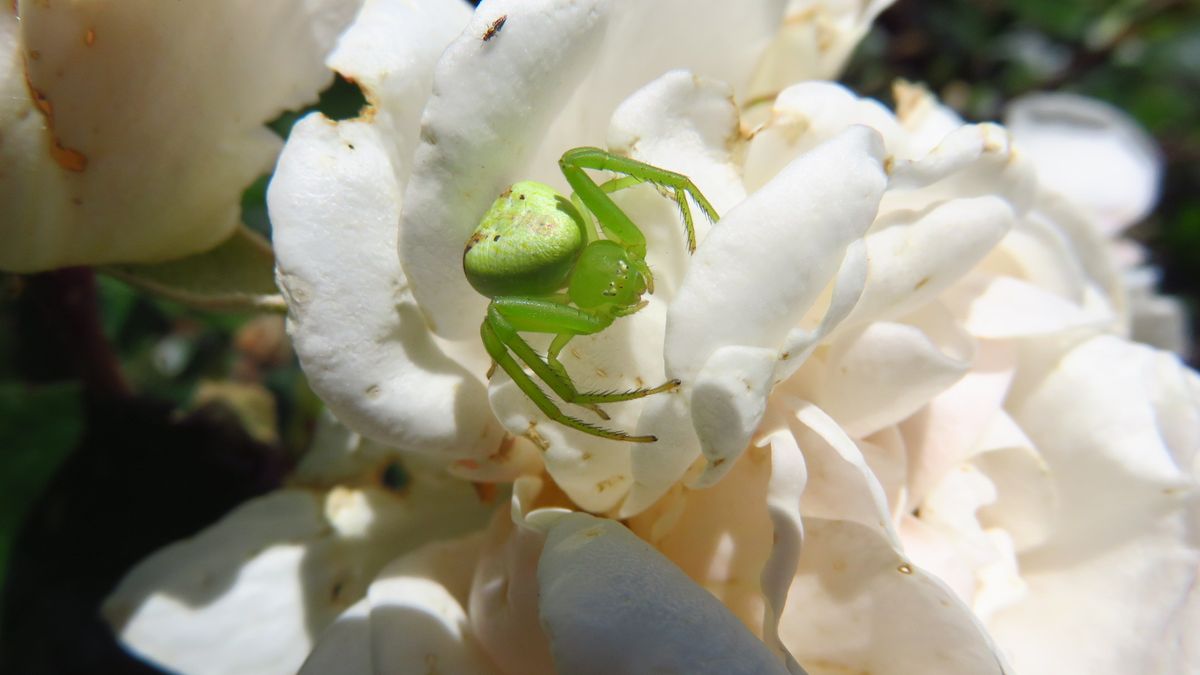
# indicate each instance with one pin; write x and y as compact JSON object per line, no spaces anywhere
{"x":114,"y":442}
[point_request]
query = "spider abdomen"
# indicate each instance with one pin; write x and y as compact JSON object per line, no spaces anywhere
{"x":526,"y":244}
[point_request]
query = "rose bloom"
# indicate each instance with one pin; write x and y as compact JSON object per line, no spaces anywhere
{"x":912,"y":434}
{"x":129,"y":133}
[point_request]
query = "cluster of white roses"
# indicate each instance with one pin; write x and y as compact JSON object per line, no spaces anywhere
{"x":913,"y":434}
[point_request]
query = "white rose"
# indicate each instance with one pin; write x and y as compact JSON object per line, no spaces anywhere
{"x":131,"y":128}
{"x":896,"y":433}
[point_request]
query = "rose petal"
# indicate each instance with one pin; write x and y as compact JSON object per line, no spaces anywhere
{"x":815,"y":39}
{"x":1099,"y":416}
{"x":975,"y":160}
{"x":885,"y":372}
{"x":360,"y":338}
{"x":789,"y":477}
{"x":949,"y":513}
{"x":915,"y":255}
{"x":805,"y":115}
{"x":121,"y":159}
{"x":1157,"y":320}
{"x":728,"y":402}
{"x":248,"y":594}
{"x":1090,"y":152}
{"x":504,"y":597}
{"x":840,"y":484}
{"x":857,"y":605}
{"x":1004,"y":307}
{"x":467,"y":157}
{"x":687,"y":124}
{"x":643,"y":614}
{"x":1092,"y":248}
{"x":594,"y":471}
{"x":948,"y":430}
{"x":719,"y":40}
{"x":1026,"y":505}
{"x":658,"y":466}
{"x":926,"y":119}
{"x":390,"y":52}
{"x":720,"y":537}
{"x":752,"y":290}
{"x":411,"y":620}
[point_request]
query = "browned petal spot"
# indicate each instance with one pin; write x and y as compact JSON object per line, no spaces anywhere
{"x":486,"y":492}
{"x":68,"y":158}
{"x":89,"y":38}
{"x":71,"y":160}
{"x":34,"y":54}
{"x":39,"y":100}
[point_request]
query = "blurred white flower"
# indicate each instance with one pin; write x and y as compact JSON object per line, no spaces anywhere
{"x":131,"y":128}
{"x":909,"y":437}
{"x":1094,"y":159}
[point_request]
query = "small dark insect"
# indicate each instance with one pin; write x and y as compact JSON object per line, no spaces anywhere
{"x":493,"y":29}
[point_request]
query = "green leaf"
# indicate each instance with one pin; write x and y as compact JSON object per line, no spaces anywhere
{"x":239,"y":274}
{"x":39,"y":426}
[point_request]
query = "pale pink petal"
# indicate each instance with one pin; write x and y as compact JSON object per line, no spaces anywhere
{"x":946,"y":433}
{"x":1004,"y":307}
{"x":1026,"y":505}
{"x":1099,"y":415}
{"x":858,"y":605}
{"x":840,"y":484}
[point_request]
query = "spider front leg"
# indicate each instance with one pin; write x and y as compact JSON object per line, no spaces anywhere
{"x":616,"y":225}
{"x":507,"y":317}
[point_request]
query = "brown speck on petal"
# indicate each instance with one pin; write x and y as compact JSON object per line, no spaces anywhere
{"x":89,"y":38}
{"x":71,"y":160}
{"x":40,"y":101}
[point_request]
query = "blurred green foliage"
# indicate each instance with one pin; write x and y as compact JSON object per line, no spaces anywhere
{"x":39,"y":426}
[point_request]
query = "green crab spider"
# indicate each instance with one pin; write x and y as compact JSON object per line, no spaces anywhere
{"x":566,"y":267}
